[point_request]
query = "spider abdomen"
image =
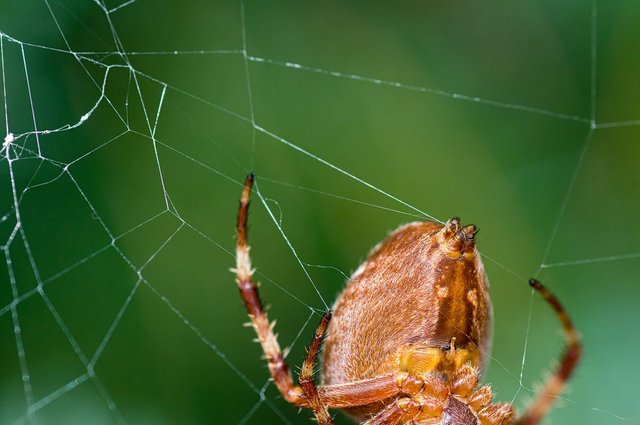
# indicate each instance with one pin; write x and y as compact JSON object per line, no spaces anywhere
{"x":421,"y":290}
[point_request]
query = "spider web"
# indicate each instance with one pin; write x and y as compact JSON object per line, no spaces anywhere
{"x":130,"y":125}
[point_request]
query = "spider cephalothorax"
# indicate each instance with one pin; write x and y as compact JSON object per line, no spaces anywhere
{"x":409,"y":336}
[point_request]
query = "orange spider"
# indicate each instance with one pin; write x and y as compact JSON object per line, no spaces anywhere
{"x":409,"y":335}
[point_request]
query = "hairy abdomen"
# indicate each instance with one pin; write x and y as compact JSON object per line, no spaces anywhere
{"x":408,"y":293}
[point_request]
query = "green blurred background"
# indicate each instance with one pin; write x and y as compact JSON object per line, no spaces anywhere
{"x":128,"y":215}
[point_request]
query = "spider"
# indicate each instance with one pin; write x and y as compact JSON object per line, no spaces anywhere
{"x":409,"y":335}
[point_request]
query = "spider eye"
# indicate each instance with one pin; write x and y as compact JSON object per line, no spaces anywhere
{"x":470,"y":232}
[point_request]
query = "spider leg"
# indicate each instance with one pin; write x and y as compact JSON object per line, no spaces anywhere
{"x":555,"y":383}
{"x":390,"y":415}
{"x":275,"y":359}
{"x":306,"y":375}
{"x":408,"y":411}
{"x":367,"y":391}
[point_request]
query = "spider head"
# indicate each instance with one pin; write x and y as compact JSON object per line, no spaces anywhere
{"x":457,"y":240}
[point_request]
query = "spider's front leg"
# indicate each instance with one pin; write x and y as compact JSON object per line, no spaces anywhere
{"x":277,"y":366}
{"x":305,"y":395}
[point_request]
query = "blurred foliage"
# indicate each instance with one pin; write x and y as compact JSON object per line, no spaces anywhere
{"x":129,"y":216}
